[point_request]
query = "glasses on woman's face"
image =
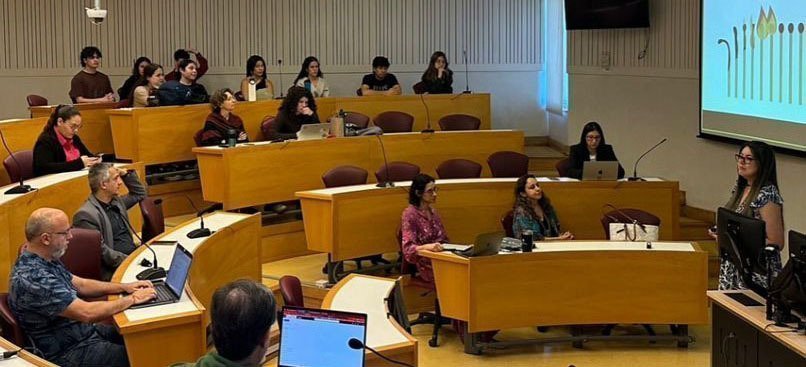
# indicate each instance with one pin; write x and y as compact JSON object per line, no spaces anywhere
{"x":73,"y":126}
{"x":431,"y":191}
{"x":744,"y":159}
{"x":533,"y":187}
{"x":593,"y":137}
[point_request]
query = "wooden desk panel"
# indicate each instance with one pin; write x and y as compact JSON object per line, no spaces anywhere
{"x":95,"y":131}
{"x":362,"y":220}
{"x":557,"y":285}
{"x":20,"y":134}
{"x":281,"y":169}
{"x":65,"y":191}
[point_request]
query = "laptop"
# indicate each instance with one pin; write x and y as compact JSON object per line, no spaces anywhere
{"x":318,"y":338}
{"x":313,"y":131}
{"x":170,"y":290}
{"x":600,"y":171}
{"x":486,"y":244}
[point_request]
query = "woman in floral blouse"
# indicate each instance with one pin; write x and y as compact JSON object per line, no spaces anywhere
{"x":422,"y":228}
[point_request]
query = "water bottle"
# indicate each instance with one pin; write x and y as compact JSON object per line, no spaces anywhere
{"x":252,"y":90}
{"x":232,"y":137}
{"x":308,"y":86}
{"x":526,"y":241}
{"x":337,"y":124}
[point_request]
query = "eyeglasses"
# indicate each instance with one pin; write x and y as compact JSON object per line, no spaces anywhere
{"x":533,"y":187}
{"x":744,"y":159}
{"x":63,"y":233}
{"x":74,"y":127}
{"x":431,"y":191}
{"x":593,"y":137}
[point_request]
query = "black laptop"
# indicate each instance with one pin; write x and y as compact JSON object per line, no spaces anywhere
{"x":170,"y":290}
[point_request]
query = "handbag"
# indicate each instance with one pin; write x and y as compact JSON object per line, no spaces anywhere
{"x":632,"y":230}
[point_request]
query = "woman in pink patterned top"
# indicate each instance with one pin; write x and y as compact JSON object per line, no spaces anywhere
{"x":421,"y":226}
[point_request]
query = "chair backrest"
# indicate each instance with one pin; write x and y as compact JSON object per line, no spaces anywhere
{"x":397,"y":171}
{"x":508,"y":164}
{"x":24,"y":170}
{"x":239,"y":96}
{"x":394,"y":122}
{"x":345,"y":176}
{"x":11,"y":330}
{"x":291,"y":290}
{"x":419,"y":88}
{"x":197,"y":137}
{"x":459,"y":122}
{"x":153,"y":218}
{"x":36,"y":100}
{"x":267,"y":126}
{"x":359,"y":92}
{"x":83,"y":256}
{"x":506,"y":223}
{"x":459,"y":168}
{"x":614,"y":216}
{"x":563,"y":166}
{"x":357,"y":118}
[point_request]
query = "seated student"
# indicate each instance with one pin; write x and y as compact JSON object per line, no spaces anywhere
{"x":533,"y":211}
{"x":91,"y":85}
{"x":380,"y":82}
{"x":591,"y":147}
{"x":58,"y":147}
{"x":47,"y":300}
{"x":241,"y":316}
{"x":186,"y":90}
{"x":312,"y":78}
{"x":298,"y":108}
{"x":222,"y":119}
{"x":438,"y":79}
{"x":145,"y":94}
{"x":421,"y":226}
{"x":184,"y":54}
{"x":125,"y":91}
{"x":256,"y":71}
{"x":106,"y":211}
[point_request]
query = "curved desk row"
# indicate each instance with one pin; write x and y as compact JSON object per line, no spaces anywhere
{"x":66,"y":191}
{"x":23,"y":358}
{"x":259,"y":173}
{"x":574,"y":283}
{"x":165,"y":334}
{"x":355,"y":221}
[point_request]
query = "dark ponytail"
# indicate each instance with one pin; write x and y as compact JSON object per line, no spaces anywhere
{"x":62,"y":111}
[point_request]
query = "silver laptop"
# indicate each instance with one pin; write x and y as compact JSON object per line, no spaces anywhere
{"x":313,"y":131}
{"x":600,"y":171}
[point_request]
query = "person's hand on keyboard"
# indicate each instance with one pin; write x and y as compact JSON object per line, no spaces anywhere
{"x":143,"y":295}
{"x":130,"y":288}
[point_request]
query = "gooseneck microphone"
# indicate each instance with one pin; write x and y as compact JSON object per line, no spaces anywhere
{"x":201,"y":231}
{"x":158,"y":271}
{"x":428,"y":128}
{"x":280,"y":66}
{"x":357,"y":344}
{"x":467,"y":73}
{"x":635,"y":168}
{"x":385,"y":182}
{"x":22,"y":187}
{"x":9,"y":354}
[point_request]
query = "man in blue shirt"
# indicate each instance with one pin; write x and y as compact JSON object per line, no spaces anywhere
{"x":44,"y":298}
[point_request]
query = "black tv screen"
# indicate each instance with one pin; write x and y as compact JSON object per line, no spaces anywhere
{"x":598,"y":14}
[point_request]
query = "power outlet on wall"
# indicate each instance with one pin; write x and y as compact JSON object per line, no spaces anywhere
{"x":604,"y":60}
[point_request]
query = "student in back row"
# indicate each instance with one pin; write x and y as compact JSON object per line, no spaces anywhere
{"x":312,"y":78}
{"x":184,"y":54}
{"x":256,"y":72}
{"x":91,"y":85}
{"x":380,"y":82}
{"x":184,"y":91}
{"x":298,"y":108}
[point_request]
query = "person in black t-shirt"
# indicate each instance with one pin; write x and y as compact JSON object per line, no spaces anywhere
{"x":380,"y":82}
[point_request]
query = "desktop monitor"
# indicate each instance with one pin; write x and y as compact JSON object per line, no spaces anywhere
{"x":319,"y":338}
{"x":797,"y":245}
{"x":742,"y":239}
{"x":788,"y":290}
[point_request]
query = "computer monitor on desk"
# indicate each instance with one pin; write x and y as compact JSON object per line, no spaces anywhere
{"x":788,"y":290}
{"x":743,"y":239}
{"x":319,"y":338}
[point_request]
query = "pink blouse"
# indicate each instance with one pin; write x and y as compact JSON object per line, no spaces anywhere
{"x":418,"y":229}
{"x":70,"y":150}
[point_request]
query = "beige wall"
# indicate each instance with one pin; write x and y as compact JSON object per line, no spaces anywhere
{"x":41,"y":40}
{"x":641,"y":102}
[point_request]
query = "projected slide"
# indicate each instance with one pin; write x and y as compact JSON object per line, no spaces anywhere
{"x":753,"y":70}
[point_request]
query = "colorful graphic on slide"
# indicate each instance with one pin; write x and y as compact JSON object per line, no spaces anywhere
{"x":753,"y":58}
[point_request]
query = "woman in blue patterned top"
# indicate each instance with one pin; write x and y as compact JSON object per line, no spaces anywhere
{"x":755,"y":195}
{"x":533,"y":211}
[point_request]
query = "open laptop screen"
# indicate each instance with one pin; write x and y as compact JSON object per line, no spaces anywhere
{"x":178,"y":272}
{"x":318,"y":338}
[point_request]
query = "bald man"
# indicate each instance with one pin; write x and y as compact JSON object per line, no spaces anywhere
{"x":44,"y":297}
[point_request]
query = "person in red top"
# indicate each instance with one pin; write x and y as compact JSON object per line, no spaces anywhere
{"x":221,"y":120}
{"x":182,"y":54}
{"x":58,"y":148}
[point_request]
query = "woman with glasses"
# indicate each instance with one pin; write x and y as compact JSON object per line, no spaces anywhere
{"x":591,"y":147}
{"x":421,"y":226}
{"x":755,"y":195}
{"x":58,"y":148}
{"x":533,"y":211}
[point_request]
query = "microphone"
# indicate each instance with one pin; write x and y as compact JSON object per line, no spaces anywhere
{"x":635,"y":168}
{"x":280,"y":66}
{"x":467,"y":73}
{"x":22,"y":187}
{"x":201,"y":231}
{"x":154,"y":271}
{"x":386,"y":182}
{"x":9,"y":354}
{"x":357,"y":344}
{"x":428,"y":129}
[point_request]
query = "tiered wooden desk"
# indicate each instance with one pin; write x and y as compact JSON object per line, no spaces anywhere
{"x":271,"y":172}
{"x":574,"y":283}
{"x":165,"y":334}
{"x":366,"y":294}
{"x":65,"y":191}
{"x":23,"y":358}
{"x":95,"y":131}
{"x":356,"y":221}
{"x":20,"y":135}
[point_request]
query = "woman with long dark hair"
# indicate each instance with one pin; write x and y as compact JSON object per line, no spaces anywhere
{"x":755,"y":195}
{"x":312,"y":78}
{"x":438,"y":78}
{"x":533,"y":211}
{"x":145,"y":92}
{"x":591,"y":147}
{"x":421,"y":226}
{"x":125,"y":91}
{"x":257,"y":73}
{"x":298,"y":108}
{"x":58,"y":148}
